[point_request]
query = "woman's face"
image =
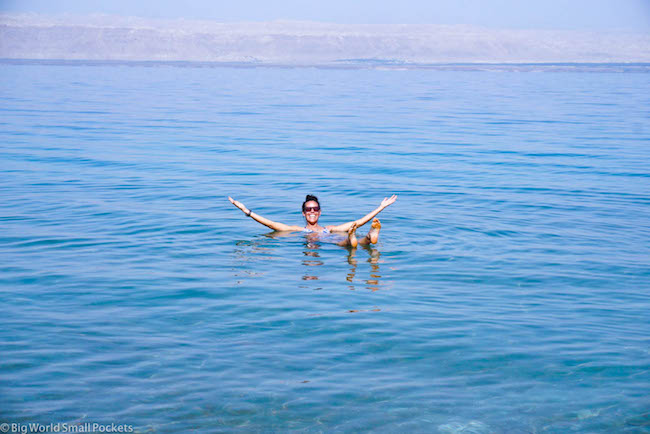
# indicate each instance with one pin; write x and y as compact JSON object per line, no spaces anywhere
{"x":311,"y":212}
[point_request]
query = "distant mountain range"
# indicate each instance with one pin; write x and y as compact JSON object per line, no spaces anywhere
{"x":305,"y":43}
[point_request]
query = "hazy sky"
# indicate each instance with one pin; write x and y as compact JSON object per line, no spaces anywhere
{"x":632,"y":15}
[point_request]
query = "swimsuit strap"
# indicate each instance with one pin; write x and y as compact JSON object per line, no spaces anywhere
{"x":309,"y":231}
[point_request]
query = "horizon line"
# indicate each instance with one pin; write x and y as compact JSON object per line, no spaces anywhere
{"x":357,"y":64}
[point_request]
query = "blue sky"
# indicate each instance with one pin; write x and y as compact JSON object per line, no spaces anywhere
{"x":631,"y":15}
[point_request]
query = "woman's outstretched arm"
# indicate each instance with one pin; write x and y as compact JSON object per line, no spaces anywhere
{"x":266,"y":222}
{"x":363,"y":220}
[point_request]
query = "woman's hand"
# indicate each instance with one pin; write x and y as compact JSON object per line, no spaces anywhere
{"x":238,"y":204}
{"x":388,"y":201}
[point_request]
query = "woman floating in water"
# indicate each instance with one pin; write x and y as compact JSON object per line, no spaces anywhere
{"x":311,"y":212}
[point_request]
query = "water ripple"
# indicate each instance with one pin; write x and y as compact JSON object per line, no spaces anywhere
{"x":508,"y":291}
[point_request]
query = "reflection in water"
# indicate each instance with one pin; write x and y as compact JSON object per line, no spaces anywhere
{"x":375,"y":276}
{"x":352,"y":260}
{"x":311,"y":253}
{"x":312,"y":258}
{"x":242,"y":253}
{"x":314,"y":243}
{"x":364,"y":310}
{"x":306,"y":277}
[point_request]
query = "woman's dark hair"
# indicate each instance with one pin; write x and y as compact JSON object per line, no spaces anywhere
{"x":310,"y":197}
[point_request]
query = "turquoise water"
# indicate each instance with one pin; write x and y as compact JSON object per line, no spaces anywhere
{"x":509,"y":290}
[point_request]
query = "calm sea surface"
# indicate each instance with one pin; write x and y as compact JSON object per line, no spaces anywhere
{"x":509,"y":291}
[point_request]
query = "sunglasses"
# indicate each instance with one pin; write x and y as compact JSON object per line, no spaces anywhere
{"x":312,"y":208}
